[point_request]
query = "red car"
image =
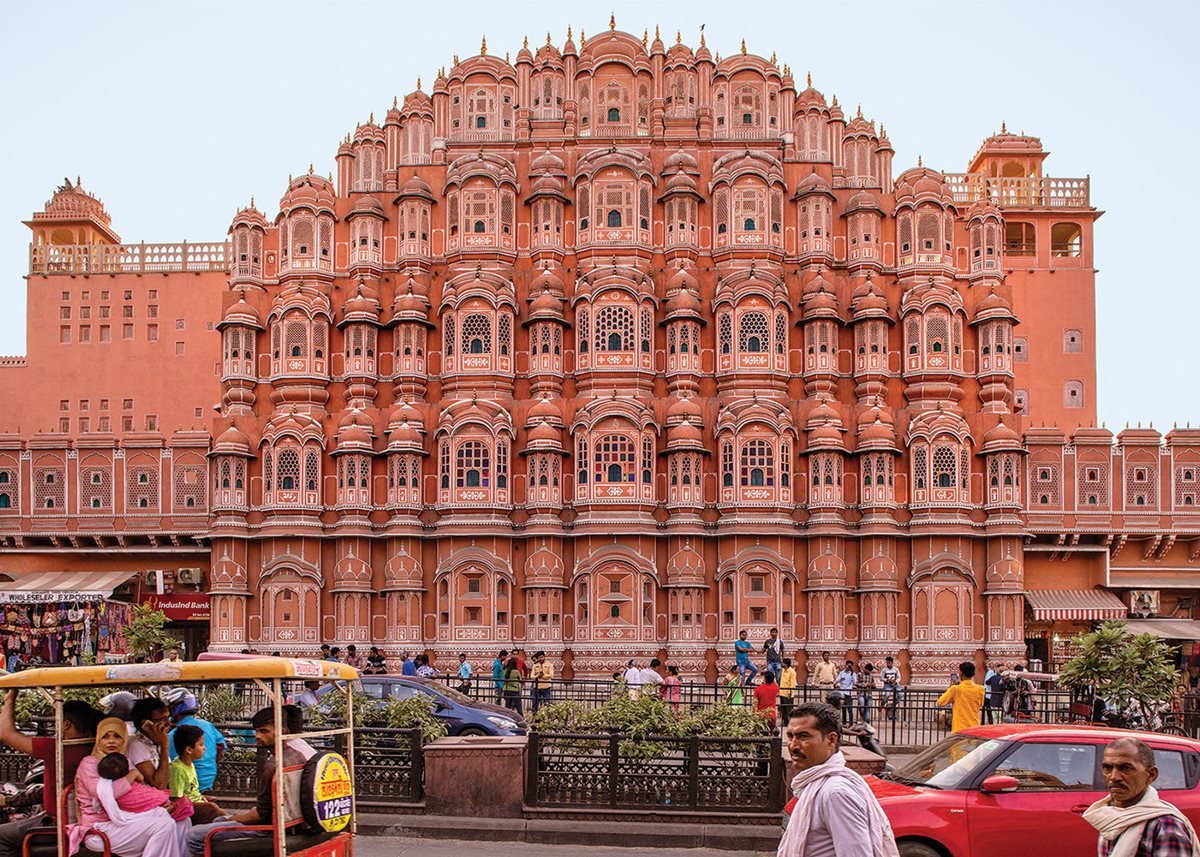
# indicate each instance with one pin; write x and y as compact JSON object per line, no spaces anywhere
{"x":1019,"y":789}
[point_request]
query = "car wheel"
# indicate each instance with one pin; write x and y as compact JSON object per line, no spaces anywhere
{"x":471,"y":731}
{"x":917,"y":849}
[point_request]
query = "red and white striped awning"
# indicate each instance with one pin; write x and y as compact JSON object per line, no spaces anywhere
{"x":1075,"y":605}
{"x":41,"y":587}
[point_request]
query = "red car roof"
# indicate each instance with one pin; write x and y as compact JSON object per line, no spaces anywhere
{"x":1048,"y":731}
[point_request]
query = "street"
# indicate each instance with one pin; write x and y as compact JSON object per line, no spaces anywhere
{"x":394,"y":846}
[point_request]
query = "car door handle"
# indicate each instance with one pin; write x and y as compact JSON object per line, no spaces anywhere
{"x":1080,"y":808}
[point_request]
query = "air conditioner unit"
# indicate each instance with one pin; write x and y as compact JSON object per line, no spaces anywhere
{"x":150,"y":578}
{"x":191,"y":576}
{"x":1143,"y":603}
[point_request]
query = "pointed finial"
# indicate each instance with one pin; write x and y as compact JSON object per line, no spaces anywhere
{"x":506,"y":60}
{"x":808,"y":79}
{"x":310,"y":169}
{"x":456,"y":59}
{"x":612,"y":21}
{"x":702,"y":44}
{"x":418,"y":83}
{"x":920,"y":161}
{"x":645,"y":38}
{"x":252,"y":203}
{"x":548,"y":43}
{"x":371,"y":118}
{"x":772,"y":57}
{"x":858,"y":113}
{"x":396,"y":99}
{"x":656,"y":35}
{"x":582,"y":38}
{"x":835,"y":101}
{"x":483,"y":47}
{"x":743,"y":47}
{"x":331,"y":176}
{"x":568,"y":32}
{"x":525,"y":43}
{"x":1003,"y":129}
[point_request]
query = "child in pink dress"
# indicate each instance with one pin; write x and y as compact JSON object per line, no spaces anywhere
{"x":131,"y":791}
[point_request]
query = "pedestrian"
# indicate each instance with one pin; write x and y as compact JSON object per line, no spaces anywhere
{"x":542,"y":675}
{"x":424,"y":668}
{"x":633,"y":679}
{"x":773,"y":649}
{"x":844,"y":687}
{"x":512,"y":686}
{"x":824,"y":673}
{"x":324,"y":651}
{"x":464,"y":673}
{"x":172,"y":656}
{"x":353,"y":658}
{"x":185,"y":711}
{"x":766,"y":699}
{"x":408,"y":666}
{"x":741,"y":651}
{"x":1132,"y":820}
{"x":521,"y":665}
{"x":835,"y":812}
{"x":890,"y":676}
{"x":498,"y":675}
{"x":995,"y":699}
{"x":787,"y":690}
{"x":865,"y":686}
{"x":652,"y":677}
{"x":671,"y":688}
{"x":376,"y":662}
{"x":965,"y":697}
{"x":733,"y":686}
{"x":335,"y":655}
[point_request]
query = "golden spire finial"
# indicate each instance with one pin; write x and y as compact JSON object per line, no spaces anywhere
{"x":396,"y":98}
{"x":582,"y":38}
{"x":456,"y":59}
{"x":772,"y":57}
{"x":371,"y":118}
{"x":656,"y":35}
{"x":920,"y":161}
{"x":702,"y":36}
{"x":808,"y":79}
{"x":1003,"y":130}
{"x":612,"y":21}
{"x":743,"y":47}
{"x":506,"y":56}
{"x":548,"y":42}
{"x":858,"y":112}
{"x":525,"y":43}
{"x":645,"y":38}
{"x":251,"y":203}
{"x":483,"y":47}
{"x":678,"y":37}
{"x":310,"y":169}
{"x":835,"y":104}
{"x":568,"y":32}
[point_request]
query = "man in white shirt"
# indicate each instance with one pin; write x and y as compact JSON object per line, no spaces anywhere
{"x":633,"y":679}
{"x":651,"y":677}
{"x":833,"y":803}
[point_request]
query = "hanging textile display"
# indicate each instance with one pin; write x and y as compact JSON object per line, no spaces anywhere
{"x":66,"y":632}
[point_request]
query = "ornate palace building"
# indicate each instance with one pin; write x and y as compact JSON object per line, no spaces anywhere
{"x":613,"y":350}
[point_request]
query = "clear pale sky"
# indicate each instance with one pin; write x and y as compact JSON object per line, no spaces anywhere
{"x":175,"y":113}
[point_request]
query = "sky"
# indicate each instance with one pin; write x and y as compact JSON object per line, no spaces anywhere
{"x":176,"y":113}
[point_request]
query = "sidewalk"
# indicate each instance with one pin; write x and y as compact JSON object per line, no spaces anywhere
{"x":397,"y":846}
{"x":674,"y":834}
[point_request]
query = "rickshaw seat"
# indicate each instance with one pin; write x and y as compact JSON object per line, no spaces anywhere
{"x":44,"y":841}
{"x":264,"y":846}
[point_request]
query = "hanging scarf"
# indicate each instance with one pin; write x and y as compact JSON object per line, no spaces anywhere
{"x":806,"y":785}
{"x":1126,"y":824}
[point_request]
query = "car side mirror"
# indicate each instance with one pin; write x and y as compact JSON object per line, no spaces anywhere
{"x":999,"y":784}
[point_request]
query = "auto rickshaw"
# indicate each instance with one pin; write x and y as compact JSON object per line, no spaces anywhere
{"x":317,"y":799}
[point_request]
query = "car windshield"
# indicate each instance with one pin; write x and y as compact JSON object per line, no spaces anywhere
{"x":946,"y":764}
{"x":377,"y":690}
{"x":450,"y":693}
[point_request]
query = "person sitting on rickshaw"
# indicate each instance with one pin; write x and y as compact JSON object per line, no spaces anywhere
{"x":185,"y":711}
{"x":153,"y":833}
{"x":79,"y":721}
{"x":296,"y":751}
{"x":149,"y":746}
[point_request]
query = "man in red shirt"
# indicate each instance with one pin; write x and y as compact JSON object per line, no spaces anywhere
{"x":766,"y":698}
{"x":79,"y":722}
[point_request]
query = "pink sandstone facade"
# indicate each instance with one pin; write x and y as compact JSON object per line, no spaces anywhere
{"x":613,"y":351}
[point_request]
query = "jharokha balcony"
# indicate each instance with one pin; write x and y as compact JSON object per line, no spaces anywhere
{"x":128,"y":258}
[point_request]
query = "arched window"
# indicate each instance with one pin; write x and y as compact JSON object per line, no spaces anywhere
{"x":757,"y":464}
{"x":5,"y":501}
{"x":614,"y":328}
{"x":613,"y":218}
{"x":614,"y":115}
{"x":473,"y":465}
{"x":1066,"y":240}
{"x":615,"y":459}
{"x":477,"y":334}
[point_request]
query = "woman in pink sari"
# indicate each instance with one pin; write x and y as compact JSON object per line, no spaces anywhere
{"x":142,"y":834}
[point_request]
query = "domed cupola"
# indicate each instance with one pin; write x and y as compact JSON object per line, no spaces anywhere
{"x":248,"y":237}
{"x":306,"y":227}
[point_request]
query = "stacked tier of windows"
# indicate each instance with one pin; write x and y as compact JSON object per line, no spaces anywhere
{"x":299,"y":345}
{"x":756,"y":470}
{"x":941,"y":473}
{"x":614,"y":208}
{"x":752,"y":338}
{"x":477,"y":339}
{"x":615,"y":332}
{"x":614,"y":466}
{"x":291,"y":475}
{"x":481,"y":216}
{"x":473,"y":470}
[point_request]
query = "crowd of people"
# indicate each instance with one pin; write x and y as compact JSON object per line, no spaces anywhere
{"x":142,"y":770}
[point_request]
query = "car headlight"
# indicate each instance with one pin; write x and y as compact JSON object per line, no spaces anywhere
{"x":503,"y":723}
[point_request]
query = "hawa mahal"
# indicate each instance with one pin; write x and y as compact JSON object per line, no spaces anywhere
{"x":613,"y":350}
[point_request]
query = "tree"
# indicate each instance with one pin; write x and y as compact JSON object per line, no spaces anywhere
{"x":145,"y":633}
{"x":1122,"y":669}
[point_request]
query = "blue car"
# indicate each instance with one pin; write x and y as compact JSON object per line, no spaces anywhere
{"x":460,"y":714}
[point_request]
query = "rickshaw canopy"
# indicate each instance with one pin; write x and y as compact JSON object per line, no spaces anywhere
{"x":182,"y":672}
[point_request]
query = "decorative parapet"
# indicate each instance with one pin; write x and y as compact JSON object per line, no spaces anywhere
{"x":142,"y":258}
{"x":1020,"y":191}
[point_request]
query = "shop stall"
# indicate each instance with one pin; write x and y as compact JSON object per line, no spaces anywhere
{"x":62,"y":618}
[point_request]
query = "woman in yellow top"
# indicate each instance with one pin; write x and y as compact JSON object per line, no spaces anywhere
{"x":966,"y":697}
{"x":787,"y":690}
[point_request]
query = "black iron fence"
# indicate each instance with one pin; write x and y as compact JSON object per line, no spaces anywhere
{"x":736,"y":775}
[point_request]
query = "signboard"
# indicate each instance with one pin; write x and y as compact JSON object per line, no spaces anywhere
{"x":332,"y":794}
{"x":181,"y":607}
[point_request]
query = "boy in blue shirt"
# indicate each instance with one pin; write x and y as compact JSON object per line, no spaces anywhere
{"x":742,"y":649}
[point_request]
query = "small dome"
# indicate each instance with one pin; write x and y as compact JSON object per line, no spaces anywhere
{"x":312,"y":191}
{"x":354,"y":438}
{"x":992,"y":305}
{"x":867,"y":302}
{"x":811,"y":184}
{"x":546,"y":185}
{"x":367,"y":205}
{"x":864,"y":200}
{"x":544,"y":409}
{"x":680,"y":159}
{"x":404,"y":436}
{"x":241,"y":313}
{"x":547,"y":279}
{"x":232,"y":442}
{"x":544,"y":433}
{"x":681,"y":182}
{"x":809,"y":97}
{"x":819,"y":298}
{"x":417,"y":102}
{"x":360,"y":307}
{"x":683,"y":303}
{"x":546,"y":305}
{"x":547,"y":162}
{"x":877,"y":434}
{"x":684,"y":407}
{"x":249,"y":217}
{"x":683,"y":278}
{"x":1001,"y":437}
{"x":416,"y":186}
{"x":685,"y":434}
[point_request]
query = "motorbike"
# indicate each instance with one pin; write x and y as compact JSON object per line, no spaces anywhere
{"x":23,"y":799}
{"x":864,"y":733}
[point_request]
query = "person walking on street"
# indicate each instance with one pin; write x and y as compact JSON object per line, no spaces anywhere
{"x":824,"y":673}
{"x":865,"y":686}
{"x":651,"y":678}
{"x":844,"y":686}
{"x":766,"y":700}
{"x":672,"y":687}
{"x":994,"y":683}
{"x":512,"y":686}
{"x":633,"y":679}
{"x":733,"y":686}
{"x":890,"y":676}
{"x":787,"y":690}
{"x":966,"y":697}
{"x":498,"y":675}
{"x":407,"y":666}
{"x":1132,"y":820}
{"x":835,"y":813}
{"x":741,"y":651}
{"x":542,"y":676}
{"x":464,"y":673}
{"x":773,"y":649}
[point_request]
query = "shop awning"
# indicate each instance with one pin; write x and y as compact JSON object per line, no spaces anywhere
{"x":1075,"y":604}
{"x":1167,"y":629}
{"x":43,"y":587}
